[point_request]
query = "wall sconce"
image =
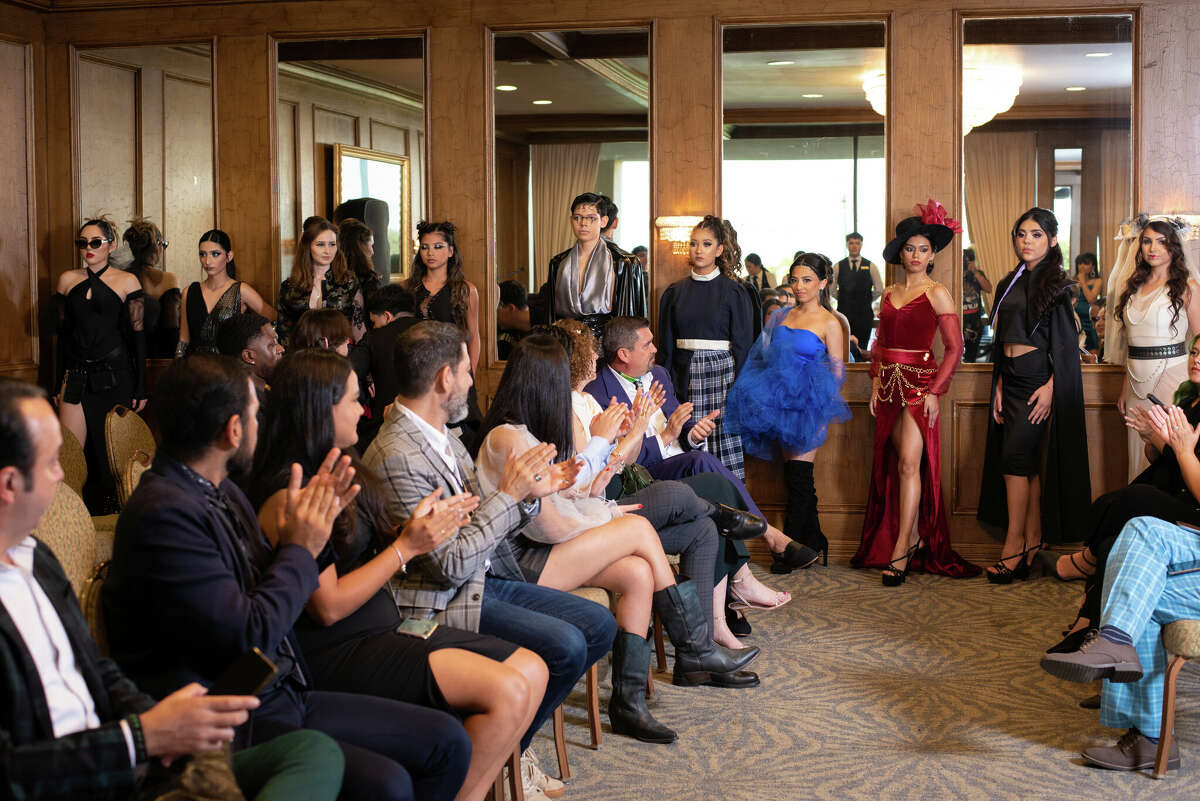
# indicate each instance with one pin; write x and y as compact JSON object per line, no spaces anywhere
{"x":677,"y":230}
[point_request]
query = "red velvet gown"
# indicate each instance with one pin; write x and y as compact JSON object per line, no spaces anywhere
{"x":905,"y":379}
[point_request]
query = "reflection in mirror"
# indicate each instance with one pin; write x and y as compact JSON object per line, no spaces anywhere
{"x":571,"y":118}
{"x":803,"y":164}
{"x":366,"y":95}
{"x":147,"y":152}
{"x":1046,"y":118}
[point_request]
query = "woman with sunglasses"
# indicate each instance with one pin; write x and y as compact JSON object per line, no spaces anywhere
{"x":706,"y":325}
{"x":211,"y":302}
{"x":102,"y":348}
{"x":1032,"y":485}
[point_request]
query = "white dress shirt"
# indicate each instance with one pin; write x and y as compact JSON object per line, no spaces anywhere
{"x":658,"y":422}
{"x":72,"y":708}
{"x":439,"y":441}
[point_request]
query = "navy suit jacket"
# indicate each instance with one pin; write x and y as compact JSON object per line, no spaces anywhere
{"x":605,"y":386}
{"x":91,"y":764}
{"x":179,"y":603}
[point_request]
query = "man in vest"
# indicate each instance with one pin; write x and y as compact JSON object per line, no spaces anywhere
{"x":857,"y":286}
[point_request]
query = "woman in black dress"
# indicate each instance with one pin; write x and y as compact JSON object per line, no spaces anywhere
{"x":440,"y":289}
{"x":102,"y":348}
{"x":320,"y":279}
{"x":1032,"y":486}
{"x":209,"y":303}
{"x":348,"y":632}
{"x":162,"y":298}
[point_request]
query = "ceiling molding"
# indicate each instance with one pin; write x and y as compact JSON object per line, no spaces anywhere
{"x":628,"y":82}
{"x":791,"y":115}
{"x":349,"y":82}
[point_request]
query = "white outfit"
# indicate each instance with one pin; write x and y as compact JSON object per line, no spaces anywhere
{"x":1148,"y":324}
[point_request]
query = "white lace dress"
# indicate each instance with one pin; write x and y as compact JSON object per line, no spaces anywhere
{"x":1148,"y":324}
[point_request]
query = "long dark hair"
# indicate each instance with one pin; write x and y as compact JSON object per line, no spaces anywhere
{"x":297,"y":426}
{"x":1048,"y":278}
{"x":353,"y":236}
{"x":216,"y":235}
{"x":820,"y":264}
{"x":535,"y":390}
{"x":731,"y":257}
{"x":455,"y":277}
{"x":1177,"y":273}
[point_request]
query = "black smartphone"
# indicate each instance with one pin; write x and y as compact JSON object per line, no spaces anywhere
{"x":249,"y":675}
{"x":1156,"y":401}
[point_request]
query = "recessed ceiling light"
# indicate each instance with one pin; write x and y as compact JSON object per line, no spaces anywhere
{"x":779,"y":63}
{"x":542,"y":102}
{"x":1096,"y":55}
{"x":812,"y":96}
{"x":1076,"y":88}
{"x":506,"y":87}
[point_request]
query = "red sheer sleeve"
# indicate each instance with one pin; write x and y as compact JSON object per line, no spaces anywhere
{"x":952,"y":340}
{"x":880,"y":338}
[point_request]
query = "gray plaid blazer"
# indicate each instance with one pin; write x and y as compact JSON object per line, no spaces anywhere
{"x":446,"y":584}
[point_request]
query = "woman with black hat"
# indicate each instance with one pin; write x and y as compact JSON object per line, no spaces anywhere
{"x":1032,"y":483}
{"x":905,"y":526}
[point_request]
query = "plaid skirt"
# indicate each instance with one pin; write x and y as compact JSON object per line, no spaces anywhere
{"x":709,"y":378}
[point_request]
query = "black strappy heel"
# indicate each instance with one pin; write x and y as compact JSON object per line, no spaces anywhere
{"x":893,"y":576}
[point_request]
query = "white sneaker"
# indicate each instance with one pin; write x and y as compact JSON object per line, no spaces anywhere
{"x":535,"y":781}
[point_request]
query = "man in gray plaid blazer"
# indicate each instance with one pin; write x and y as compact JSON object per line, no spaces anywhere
{"x":473,"y":581}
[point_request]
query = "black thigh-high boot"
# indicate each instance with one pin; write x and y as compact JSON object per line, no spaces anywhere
{"x":797,"y":519}
{"x":627,"y":710}
{"x":698,"y":660}
{"x":815,"y":537}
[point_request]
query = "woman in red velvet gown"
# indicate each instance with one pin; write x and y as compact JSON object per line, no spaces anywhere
{"x":905,"y":527}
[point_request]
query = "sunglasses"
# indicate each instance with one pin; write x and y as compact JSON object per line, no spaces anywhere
{"x":94,"y":243}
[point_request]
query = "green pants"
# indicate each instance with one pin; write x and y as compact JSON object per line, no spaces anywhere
{"x":299,"y":766}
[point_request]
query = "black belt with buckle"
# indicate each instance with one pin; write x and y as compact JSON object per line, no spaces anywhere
{"x":1158,"y":351}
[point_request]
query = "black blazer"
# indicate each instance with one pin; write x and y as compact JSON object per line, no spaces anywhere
{"x":91,"y":764}
{"x":179,"y":603}
{"x":374,"y":355}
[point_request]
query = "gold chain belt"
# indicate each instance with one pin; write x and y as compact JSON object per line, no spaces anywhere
{"x":893,"y":379}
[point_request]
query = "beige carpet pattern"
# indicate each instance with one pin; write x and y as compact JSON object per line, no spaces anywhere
{"x":927,"y":691}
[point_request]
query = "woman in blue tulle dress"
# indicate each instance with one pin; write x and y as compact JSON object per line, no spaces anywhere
{"x":789,"y":392}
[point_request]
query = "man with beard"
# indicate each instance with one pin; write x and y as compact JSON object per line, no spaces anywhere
{"x":194,"y":586}
{"x":251,"y":337}
{"x":472,"y":581}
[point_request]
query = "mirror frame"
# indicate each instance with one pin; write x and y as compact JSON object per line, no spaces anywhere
{"x":339,"y":152}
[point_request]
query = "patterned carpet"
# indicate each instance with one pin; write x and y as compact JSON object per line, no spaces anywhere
{"x":928,"y":691}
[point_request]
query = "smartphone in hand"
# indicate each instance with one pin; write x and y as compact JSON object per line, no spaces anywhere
{"x":249,"y":675}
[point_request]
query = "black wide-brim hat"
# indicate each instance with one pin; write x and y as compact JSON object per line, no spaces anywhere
{"x":938,"y":235}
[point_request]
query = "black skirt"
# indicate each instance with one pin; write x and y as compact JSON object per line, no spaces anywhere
{"x":1021,"y":454}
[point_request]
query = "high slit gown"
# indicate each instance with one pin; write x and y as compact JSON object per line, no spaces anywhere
{"x":907,"y":372}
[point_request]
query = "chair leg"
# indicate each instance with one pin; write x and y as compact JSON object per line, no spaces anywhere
{"x":660,"y":649}
{"x":496,"y":791}
{"x":560,"y":744}
{"x":1168,"y":717}
{"x":593,"y":702}
{"x":516,"y":787}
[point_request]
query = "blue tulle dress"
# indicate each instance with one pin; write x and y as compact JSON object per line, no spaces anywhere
{"x":787,"y":393}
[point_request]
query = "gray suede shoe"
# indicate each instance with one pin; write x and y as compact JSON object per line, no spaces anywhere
{"x":1096,"y":659}
{"x":1132,"y":752}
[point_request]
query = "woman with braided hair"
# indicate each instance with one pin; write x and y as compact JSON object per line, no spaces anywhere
{"x":706,"y":325}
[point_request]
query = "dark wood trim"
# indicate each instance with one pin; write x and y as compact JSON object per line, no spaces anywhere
{"x":791,"y":115}
{"x":801,"y":36}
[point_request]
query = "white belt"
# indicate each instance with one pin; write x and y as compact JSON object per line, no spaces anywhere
{"x":702,"y":344}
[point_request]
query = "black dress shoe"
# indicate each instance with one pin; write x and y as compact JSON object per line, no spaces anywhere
{"x":794,"y":557}
{"x":739,"y":626}
{"x":738,"y":679}
{"x":736,"y":524}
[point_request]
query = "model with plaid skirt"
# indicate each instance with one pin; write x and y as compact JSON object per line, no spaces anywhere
{"x":706,"y":325}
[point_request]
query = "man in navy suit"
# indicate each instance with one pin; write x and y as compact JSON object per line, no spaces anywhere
{"x":674,"y":445}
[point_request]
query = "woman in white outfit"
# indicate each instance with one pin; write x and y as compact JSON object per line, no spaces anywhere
{"x":1158,"y":305}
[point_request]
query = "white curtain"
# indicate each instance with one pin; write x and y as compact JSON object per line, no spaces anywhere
{"x":1115,"y":197}
{"x":1001,"y":182}
{"x":559,"y":174}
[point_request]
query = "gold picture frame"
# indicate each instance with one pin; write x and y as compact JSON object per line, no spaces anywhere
{"x":359,"y":172}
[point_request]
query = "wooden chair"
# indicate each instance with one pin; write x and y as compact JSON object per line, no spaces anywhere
{"x":592,"y":682}
{"x":89,"y":601}
{"x":131,"y":474}
{"x":125,"y":433}
{"x":66,"y":528}
{"x":516,"y":788}
{"x":1181,"y":639}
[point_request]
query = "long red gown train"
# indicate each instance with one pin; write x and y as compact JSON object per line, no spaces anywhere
{"x":907,"y":372}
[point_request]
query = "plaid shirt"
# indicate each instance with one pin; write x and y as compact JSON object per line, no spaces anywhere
{"x":446,"y":584}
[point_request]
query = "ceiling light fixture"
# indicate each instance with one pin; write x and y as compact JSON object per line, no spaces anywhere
{"x":542,"y":102}
{"x":1096,"y":55}
{"x":781,"y":63}
{"x":988,"y":89}
{"x":506,"y":87}
{"x":1076,"y":88}
{"x":812,"y":96}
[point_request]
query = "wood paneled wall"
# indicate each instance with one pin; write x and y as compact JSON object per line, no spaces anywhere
{"x":922,"y":134}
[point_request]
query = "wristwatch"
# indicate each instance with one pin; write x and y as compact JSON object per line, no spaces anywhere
{"x":530,"y":508}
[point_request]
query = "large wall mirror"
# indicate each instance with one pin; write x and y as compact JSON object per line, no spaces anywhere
{"x":351,"y":142}
{"x":147,"y":152}
{"x":571,"y":117}
{"x":803,"y":165}
{"x":1047,"y":107}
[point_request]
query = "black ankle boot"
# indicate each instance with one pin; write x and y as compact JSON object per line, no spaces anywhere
{"x":698,"y":660}
{"x":627,"y":705}
{"x":801,"y":521}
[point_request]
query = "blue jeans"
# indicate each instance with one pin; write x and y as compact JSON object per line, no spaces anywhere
{"x":569,"y":633}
